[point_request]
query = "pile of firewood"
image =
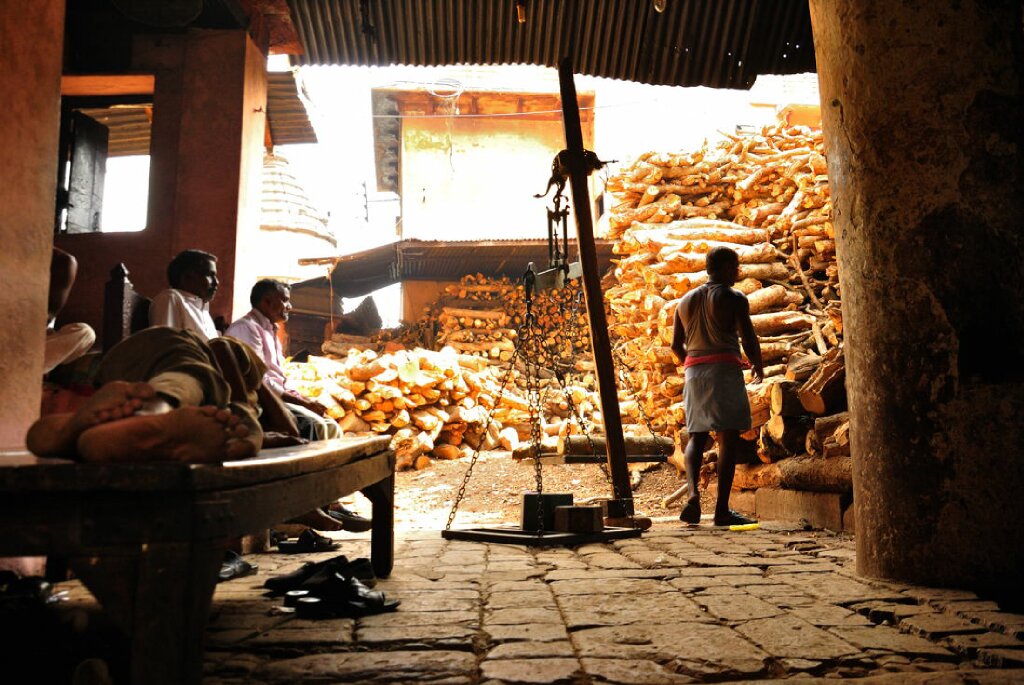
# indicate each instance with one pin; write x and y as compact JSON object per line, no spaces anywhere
{"x":767,"y":197}
{"x":438,"y":405}
{"x":481,"y":316}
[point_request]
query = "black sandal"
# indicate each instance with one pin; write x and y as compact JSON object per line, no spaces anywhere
{"x":308,"y":541}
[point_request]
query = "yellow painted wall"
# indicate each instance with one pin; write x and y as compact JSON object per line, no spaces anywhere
{"x":418,"y":294}
{"x":466,"y":178}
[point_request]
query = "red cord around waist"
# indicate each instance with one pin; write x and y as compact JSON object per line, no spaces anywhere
{"x":722,"y":358}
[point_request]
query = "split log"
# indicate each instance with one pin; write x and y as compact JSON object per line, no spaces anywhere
{"x":824,"y":429}
{"x":777,"y":322}
{"x":785,"y":400}
{"x":824,"y":392}
{"x":800,"y":367}
{"x":790,"y":432}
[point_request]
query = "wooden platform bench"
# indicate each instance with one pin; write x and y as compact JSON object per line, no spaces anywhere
{"x":148,"y":539}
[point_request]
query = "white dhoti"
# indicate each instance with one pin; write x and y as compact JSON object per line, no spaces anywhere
{"x":66,"y":344}
{"x":313,"y":426}
{"x":715,"y":398}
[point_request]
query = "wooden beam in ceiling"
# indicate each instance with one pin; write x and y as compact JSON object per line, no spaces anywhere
{"x":107,"y":84}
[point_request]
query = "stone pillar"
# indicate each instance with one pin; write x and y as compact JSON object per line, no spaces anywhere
{"x":31,"y":38}
{"x":922,"y":112}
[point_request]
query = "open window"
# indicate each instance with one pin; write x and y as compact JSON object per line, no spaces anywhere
{"x":104,"y":154}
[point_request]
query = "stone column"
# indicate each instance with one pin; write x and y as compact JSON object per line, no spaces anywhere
{"x":922,"y":113}
{"x":31,"y":37}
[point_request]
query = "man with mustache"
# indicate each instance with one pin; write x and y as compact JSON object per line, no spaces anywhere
{"x":192,"y":275}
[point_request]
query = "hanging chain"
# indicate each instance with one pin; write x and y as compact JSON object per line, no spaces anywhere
{"x":628,"y":381}
{"x":575,"y":347}
{"x":532,"y":343}
{"x":526,"y":338}
{"x":461,"y":494}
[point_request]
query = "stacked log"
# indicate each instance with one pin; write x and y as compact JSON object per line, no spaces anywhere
{"x":767,"y":197}
{"x":438,"y":405}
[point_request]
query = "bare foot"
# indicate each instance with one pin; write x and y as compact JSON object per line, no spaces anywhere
{"x":190,"y":434}
{"x":55,"y":435}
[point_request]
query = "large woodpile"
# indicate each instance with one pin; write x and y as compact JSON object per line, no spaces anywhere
{"x":439,"y":405}
{"x":481,"y":316}
{"x":767,"y":197}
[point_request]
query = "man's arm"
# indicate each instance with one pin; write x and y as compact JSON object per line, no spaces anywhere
{"x":750,"y":344}
{"x":292,"y":397}
{"x":678,"y":338}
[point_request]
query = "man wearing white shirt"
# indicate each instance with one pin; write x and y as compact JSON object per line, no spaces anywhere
{"x":192,"y":275}
{"x":271,"y":304}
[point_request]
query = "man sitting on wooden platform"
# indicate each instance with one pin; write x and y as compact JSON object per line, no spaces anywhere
{"x":271,"y":305}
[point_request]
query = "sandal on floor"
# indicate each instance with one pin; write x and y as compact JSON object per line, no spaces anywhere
{"x":334,"y":596}
{"x":294,"y":580}
{"x":733,"y":518}
{"x":308,"y":541}
{"x":360,"y":569}
{"x":234,"y":566}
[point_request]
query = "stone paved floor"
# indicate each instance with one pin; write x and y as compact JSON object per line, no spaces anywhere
{"x":675,"y":606}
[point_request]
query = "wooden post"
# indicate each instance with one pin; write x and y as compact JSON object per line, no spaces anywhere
{"x":622,"y":504}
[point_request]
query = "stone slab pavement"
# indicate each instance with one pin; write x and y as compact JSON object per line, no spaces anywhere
{"x":677,"y":605}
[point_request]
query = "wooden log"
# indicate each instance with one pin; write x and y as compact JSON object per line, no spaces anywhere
{"x":824,"y":428}
{"x":784,"y":398}
{"x":801,"y":366}
{"x":824,"y":392}
{"x":648,"y":445}
{"x":790,"y":431}
{"x":769,"y":451}
{"x":754,"y":476}
{"x":830,"y":474}
{"x":777,"y":322}
{"x":446,"y":451}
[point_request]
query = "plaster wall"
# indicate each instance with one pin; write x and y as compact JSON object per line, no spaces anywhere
{"x":922,"y":112}
{"x":417,"y":295}
{"x":29,"y":121}
{"x":206,"y":150}
{"x":468,"y":179}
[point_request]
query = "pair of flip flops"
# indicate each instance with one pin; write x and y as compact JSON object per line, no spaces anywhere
{"x":335,"y":588}
{"x":308,"y":541}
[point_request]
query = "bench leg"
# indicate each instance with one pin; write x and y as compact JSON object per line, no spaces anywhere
{"x":382,"y":536}
{"x":161,"y":598}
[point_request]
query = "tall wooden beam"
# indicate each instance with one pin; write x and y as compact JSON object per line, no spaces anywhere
{"x":622,"y":504}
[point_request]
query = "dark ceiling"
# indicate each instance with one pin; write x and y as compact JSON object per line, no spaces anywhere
{"x":716,"y":43}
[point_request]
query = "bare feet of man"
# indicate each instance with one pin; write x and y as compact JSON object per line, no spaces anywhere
{"x":189,"y":434}
{"x":55,"y":435}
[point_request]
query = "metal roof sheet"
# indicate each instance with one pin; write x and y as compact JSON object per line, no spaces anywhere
{"x":286,"y":112}
{"x":440,"y":260}
{"x":717,"y":43}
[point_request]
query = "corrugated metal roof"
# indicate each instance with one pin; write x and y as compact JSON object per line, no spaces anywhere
{"x":717,"y":43}
{"x":286,"y":112}
{"x":444,"y":260}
